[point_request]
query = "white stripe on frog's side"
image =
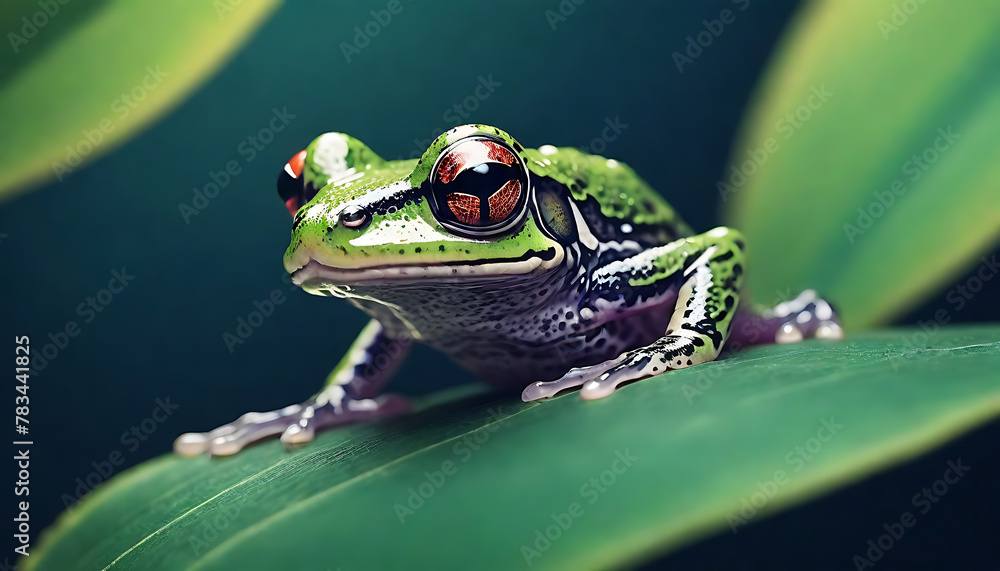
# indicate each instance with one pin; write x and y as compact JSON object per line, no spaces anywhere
{"x":582,"y":229}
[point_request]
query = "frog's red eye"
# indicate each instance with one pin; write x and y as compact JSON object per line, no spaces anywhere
{"x":479,"y":186}
{"x":291,"y":187}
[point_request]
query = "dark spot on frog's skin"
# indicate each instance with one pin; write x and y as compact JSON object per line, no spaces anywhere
{"x":441,"y":248}
{"x":402,"y":251}
{"x":517,"y":147}
{"x":417,"y":250}
{"x":466,"y":251}
{"x":562,"y":326}
{"x":689,"y":362}
{"x":648,"y":204}
{"x":741,"y":244}
{"x":569,"y":315}
{"x":499,"y":326}
{"x":656,"y":369}
{"x":329,"y":229}
{"x":543,"y":292}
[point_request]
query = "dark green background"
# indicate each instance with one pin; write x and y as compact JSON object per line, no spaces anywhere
{"x":162,"y":336}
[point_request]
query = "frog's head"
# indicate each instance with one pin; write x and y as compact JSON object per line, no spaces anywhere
{"x":467,"y":210}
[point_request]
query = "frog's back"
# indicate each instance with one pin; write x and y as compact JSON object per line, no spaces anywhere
{"x":609,"y":190}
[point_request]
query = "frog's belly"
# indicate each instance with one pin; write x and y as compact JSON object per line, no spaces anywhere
{"x":516,"y":362}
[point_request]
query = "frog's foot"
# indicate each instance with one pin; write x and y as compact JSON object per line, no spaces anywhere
{"x":574,"y":378}
{"x":805,"y":317}
{"x":666,"y":353}
{"x":598,"y":381}
{"x":297,"y":423}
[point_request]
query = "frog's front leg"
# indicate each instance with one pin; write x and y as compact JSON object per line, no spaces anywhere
{"x":347,"y":398}
{"x":710,"y":267}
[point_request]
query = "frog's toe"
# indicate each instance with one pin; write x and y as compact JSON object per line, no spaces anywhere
{"x":224,"y":438}
{"x":574,"y":378}
{"x":829,"y":330}
{"x":296,"y":424}
{"x":608,"y":383}
{"x":638,"y":364}
{"x":349,"y":411}
{"x":805,"y":317}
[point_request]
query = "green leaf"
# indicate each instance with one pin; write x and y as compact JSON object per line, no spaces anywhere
{"x":94,"y":73}
{"x":494,"y":470}
{"x":897,"y":81}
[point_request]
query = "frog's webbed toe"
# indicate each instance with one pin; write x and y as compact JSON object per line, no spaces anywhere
{"x":574,"y":378}
{"x":297,"y":424}
{"x":807,"y":316}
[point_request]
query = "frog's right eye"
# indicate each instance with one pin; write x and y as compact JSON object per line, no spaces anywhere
{"x":479,"y":187}
{"x":291,"y":186}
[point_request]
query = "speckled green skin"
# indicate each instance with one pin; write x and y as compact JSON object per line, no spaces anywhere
{"x":621,"y":194}
{"x":593,"y":281}
{"x":403,"y":231}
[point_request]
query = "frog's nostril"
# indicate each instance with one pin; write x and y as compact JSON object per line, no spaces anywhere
{"x":355,"y":217}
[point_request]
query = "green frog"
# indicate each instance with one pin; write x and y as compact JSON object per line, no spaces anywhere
{"x":543,"y":269}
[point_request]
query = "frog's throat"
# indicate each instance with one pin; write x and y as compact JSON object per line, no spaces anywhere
{"x":316,"y":276}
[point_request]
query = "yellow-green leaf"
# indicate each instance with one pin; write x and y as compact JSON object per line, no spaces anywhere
{"x":471,"y":483}
{"x":857,"y":90}
{"x":79,"y":78}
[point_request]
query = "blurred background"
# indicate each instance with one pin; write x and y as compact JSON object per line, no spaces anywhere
{"x":193,"y":267}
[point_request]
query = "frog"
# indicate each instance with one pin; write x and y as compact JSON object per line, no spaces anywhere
{"x":543,"y":270}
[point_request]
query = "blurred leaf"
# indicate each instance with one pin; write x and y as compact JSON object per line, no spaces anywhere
{"x":897,"y":81}
{"x":494,"y":471}
{"x":91,"y":74}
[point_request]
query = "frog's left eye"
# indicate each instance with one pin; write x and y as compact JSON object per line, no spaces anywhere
{"x":479,"y":186}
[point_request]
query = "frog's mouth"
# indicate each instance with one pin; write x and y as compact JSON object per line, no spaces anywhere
{"x":317,"y":276}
